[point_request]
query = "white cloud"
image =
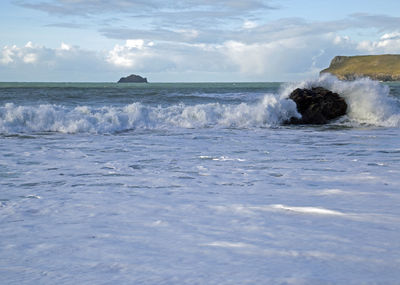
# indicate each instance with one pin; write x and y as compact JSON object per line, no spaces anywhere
{"x":28,"y":54}
{"x":29,"y":44}
{"x":66,"y":47}
{"x":135,"y":44}
{"x":30,"y":58}
{"x":341,"y":40}
{"x":131,"y":54}
{"x":12,"y":54}
{"x":231,"y":37}
{"x":286,"y":58}
{"x":388,"y":43}
{"x":33,"y":62}
{"x":294,"y":56}
{"x":391,"y":36}
{"x":250,"y":58}
{"x":7,"y":55}
{"x":230,"y":59}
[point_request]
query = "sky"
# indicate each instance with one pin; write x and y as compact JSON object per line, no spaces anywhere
{"x":189,"y":40}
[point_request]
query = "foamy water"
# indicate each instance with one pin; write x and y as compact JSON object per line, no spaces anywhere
{"x":369,"y":104}
{"x":197,"y":184}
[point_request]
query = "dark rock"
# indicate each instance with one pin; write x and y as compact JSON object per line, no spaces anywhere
{"x":133,"y":79}
{"x":317,"y":105}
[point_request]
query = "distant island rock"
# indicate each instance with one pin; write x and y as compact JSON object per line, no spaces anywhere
{"x":133,"y":79}
{"x":384,"y":67}
{"x":317,"y":106}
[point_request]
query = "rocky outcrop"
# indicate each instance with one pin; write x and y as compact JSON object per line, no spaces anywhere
{"x":384,"y":67}
{"x":133,"y":79}
{"x":317,"y":105}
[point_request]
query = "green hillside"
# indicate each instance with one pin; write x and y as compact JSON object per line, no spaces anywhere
{"x":379,"y":67}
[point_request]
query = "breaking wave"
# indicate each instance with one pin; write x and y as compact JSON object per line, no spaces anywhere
{"x":369,"y":104}
{"x":55,"y":118}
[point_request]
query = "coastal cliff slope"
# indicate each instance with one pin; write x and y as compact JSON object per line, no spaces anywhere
{"x":378,"y":67}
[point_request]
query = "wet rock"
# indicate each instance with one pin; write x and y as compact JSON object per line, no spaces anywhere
{"x":317,"y":105}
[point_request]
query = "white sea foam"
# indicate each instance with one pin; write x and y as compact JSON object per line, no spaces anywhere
{"x":54,"y":118}
{"x":369,"y":104}
{"x":263,"y":206}
{"x":307,"y":210}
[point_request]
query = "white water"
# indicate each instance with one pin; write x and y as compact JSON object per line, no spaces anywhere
{"x":53,"y":118}
{"x":199,"y":193}
{"x":369,"y":104}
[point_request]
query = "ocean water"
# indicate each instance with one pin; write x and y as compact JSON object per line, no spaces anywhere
{"x":197,"y":184}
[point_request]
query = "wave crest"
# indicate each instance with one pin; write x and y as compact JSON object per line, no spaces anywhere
{"x":369,"y":103}
{"x":270,"y":111}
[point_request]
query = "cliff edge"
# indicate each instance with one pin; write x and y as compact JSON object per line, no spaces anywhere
{"x":378,"y":67}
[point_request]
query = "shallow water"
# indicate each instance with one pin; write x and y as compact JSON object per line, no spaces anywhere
{"x":197,"y":184}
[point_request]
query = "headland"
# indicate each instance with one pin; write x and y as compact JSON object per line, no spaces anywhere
{"x":384,"y":67}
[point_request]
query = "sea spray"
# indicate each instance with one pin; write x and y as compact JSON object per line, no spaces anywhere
{"x":370,"y":104}
{"x":270,"y":111}
{"x":369,"y":101}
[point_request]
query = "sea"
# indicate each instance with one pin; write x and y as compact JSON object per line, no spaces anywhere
{"x":197,"y":183}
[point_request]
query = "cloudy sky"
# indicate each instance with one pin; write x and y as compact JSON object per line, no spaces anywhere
{"x":189,"y":40}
